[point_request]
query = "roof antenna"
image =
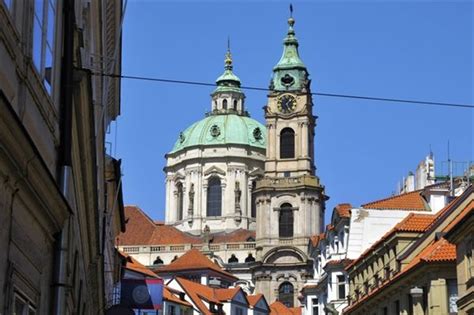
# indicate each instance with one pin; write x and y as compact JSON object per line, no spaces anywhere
{"x":450,"y":165}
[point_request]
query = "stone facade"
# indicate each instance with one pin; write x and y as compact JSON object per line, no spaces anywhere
{"x":58,"y":226}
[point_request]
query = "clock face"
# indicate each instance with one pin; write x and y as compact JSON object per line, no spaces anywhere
{"x":286,"y":103}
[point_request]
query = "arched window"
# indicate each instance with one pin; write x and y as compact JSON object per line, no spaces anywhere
{"x":158,"y":261}
{"x":253,"y":205}
{"x":224,"y":104}
{"x":214,"y":197}
{"x":285,"y":221}
{"x":285,"y":294}
{"x":249,"y":258}
{"x":179,"y":201}
{"x":233,"y":259}
{"x":287,"y":143}
{"x":235,"y":105}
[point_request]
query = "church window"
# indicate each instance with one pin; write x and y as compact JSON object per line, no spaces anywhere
{"x":158,"y":261}
{"x":233,"y":259}
{"x":286,"y":220}
{"x":249,"y":258}
{"x":214,"y":197}
{"x":253,"y":206}
{"x":235,"y":105}
{"x":285,"y":294}
{"x":224,"y":104}
{"x":179,"y":201}
{"x":287,"y":143}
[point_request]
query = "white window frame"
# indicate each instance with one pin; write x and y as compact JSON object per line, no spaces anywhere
{"x":28,"y":306}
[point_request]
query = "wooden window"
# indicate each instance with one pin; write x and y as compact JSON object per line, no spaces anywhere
{"x":214,"y":197}
{"x":341,"y":287}
{"x":285,"y":294}
{"x":285,"y":223}
{"x":287,"y":143}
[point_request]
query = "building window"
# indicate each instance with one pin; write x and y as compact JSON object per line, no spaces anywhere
{"x":43,"y":40}
{"x":385,"y":311}
{"x":253,"y":206}
{"x":341,"y":287}
{"x":249,"y":258}
{"x":285,"y":294}
{"x":21,"y":306}
{"x":239,"y":311}
{"x":287,"y":143}
{"x":315,"y":304}
{"x":285,"y":222}
{"x":397,"y":307}
{"x":224,"y":104}
{"x":214,"y":197}
{"x":171,"y":310}
{"x":233,"y":259}
{"x":452,"y":285}
{"x":179,"y":201}
{"x":235,"y":105}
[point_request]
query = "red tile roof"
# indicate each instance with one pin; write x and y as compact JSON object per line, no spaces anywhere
{"x":408,"y":201}
{"x":142,"y":230}
{"x":193,"y":260}
{"x":133,"y":265}
{"x":343,"y":210}
{"x":196,"y":292}
{"x":254,"y":299}
{"x":438,"y":251}
{"x":344,"y":262}
{"x":170,"y":295}
{"x":224,"y":295}
{"x":413,"y":222}
{"x":278,"y":308}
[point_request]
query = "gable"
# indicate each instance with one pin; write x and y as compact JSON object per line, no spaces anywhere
{"x":261,"y":305}
{"x":240,"y":298}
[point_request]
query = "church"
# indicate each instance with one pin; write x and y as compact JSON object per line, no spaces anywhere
{"x":244,"y":194}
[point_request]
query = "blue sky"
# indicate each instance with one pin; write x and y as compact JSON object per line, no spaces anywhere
{"x":414,"y":50}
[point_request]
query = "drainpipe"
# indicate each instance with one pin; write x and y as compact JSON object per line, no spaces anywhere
{"x":64,"y":155}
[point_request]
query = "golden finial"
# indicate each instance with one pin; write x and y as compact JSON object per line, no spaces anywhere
{"x":228,"y":56}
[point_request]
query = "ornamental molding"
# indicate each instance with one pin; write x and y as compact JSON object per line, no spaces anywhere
{"x":214,"y":170}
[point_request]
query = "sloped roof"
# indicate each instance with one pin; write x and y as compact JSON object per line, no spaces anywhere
{"x":343,"y":210}
{"x":413,"y":222}
{"x":438,"y":251}
{"x":142,"y":230}
{"x":408,"y":201}
{"x":468,"y":210}
{"x":253,"y":299}
{"x":196,"y":292}
{"x":228,"y":294}
{"x":193,"y":260}
{"x":168,"y":295}
{"x":133,"y":265}
{"x":278,"y":308}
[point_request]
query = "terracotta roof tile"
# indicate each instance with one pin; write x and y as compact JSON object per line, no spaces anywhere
{"x":169,"y":295}
{"x":193,"y":260}
{"x":438,"y":251}
{"x":254,"y":299}
{"x":278,"y":308}
{"x":196,"y":292}
{"x":134,"y":265}
{"x":343,"y":210}
{"x":343,"y":262}
{"x":413,"y":222}
{"x":224,"y":295}
{"x":142,"y":230}
{"x":408,"y":201}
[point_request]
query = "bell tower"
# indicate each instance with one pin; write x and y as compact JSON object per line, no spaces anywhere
{"x":290,"y":198}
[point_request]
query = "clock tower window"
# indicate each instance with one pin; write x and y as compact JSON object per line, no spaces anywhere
{"x":287,"y":143}
{"x":285,"y":220}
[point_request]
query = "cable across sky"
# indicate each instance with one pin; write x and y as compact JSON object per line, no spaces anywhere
{"x":360,"y":97}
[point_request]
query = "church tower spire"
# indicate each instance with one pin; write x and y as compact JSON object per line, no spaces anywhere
{"x":290,"y":198}
{"x":228,"y":97}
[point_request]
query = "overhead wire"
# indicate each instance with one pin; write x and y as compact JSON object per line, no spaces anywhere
{"x":336,"y":95}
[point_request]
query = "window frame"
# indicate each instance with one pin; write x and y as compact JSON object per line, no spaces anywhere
{"x":286,"y":221}
{"x":286,"y":298}
{"x":214,"y":182}
{"x":179,"y":201}
{"x":287,"y":143}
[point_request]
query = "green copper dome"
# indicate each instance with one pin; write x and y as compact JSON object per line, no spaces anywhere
{"x":221,"y":130}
